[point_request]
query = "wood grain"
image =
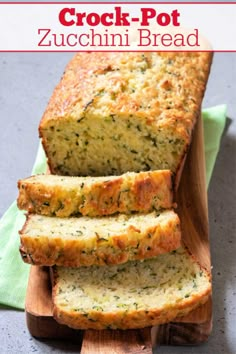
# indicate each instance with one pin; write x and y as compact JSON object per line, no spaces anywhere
{"x":38,"y":309}
{"x":192,"y":201}
{"x":130,"y":341}
{"x":175,"y":333}
{"x":189,"y":330}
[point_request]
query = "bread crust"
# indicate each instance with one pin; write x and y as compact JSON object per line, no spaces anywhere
{"x":77,"y":87}
{"x":70,"y":196}
{"x":118,"y":248}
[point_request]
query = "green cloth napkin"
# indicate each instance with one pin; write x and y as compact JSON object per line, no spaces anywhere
{"x":213,"y":122}
{"x":14,"y":273}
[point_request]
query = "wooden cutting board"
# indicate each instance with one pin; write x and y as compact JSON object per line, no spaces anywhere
{"x":189,"y":330}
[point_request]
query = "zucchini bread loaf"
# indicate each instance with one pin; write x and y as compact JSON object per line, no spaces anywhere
{"x":99,"y":240}
{"x":118,"y":112}
{"x":132,"y":295}
{"x":96,"y":196}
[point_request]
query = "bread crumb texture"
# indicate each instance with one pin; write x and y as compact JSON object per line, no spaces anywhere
{"x":118,"y":112}
{"x":96,"y":196}
{"x":101,"y":240}
{"x":132,"y":295}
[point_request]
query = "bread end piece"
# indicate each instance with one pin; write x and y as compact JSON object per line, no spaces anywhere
{"x":137,"y":112}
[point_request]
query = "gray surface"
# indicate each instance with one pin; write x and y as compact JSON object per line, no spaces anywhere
{"x":26,"y":83}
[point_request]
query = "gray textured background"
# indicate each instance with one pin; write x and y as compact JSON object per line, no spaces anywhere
{"x":26,"y":83}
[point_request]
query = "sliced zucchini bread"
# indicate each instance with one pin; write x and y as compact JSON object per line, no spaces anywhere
{"x":100,"y":240}
{"x":132,"y":295}
{"x":96,"y":196}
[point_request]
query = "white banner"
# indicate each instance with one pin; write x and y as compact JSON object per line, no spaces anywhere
{"x":117,"y":26}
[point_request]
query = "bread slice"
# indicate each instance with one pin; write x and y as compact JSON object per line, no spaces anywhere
{"x":96,"y":196}
{"x":132,"y":295}
{"x":118,"y":112}
{"x":106,"y":240}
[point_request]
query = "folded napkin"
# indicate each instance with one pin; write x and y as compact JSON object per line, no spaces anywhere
{"x":14,"y":272}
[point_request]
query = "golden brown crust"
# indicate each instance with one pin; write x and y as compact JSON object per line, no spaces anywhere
{"x":141,"y":192}
{"x":190,"y":68}
{"x":76,"y":252}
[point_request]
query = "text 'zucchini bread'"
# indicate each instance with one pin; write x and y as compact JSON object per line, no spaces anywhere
{"x":132,"y":295}
{"x":118,"y":112}
{"x":100,"y":240}
{"x":96,"y":196}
